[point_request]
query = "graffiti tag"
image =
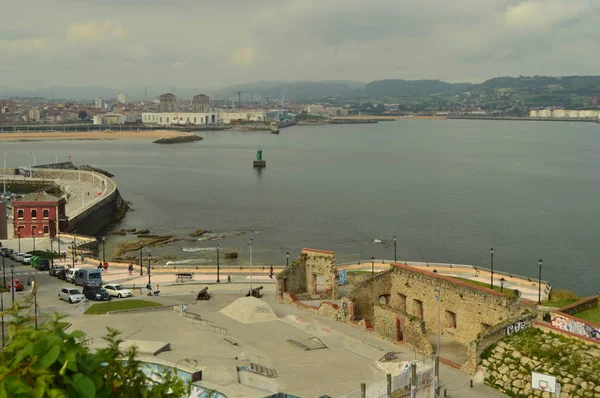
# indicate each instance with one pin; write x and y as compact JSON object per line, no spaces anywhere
{"x":576,"y":327}
{"x":516,"y":327}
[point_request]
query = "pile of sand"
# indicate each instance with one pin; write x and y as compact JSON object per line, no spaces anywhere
{"x":250,"y":310}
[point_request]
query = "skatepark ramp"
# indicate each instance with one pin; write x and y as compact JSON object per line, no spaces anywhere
{"x":250,"y":310}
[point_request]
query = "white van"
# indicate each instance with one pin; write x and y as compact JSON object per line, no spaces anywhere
{"x":70,"y":275}
{"x":91,"y":277}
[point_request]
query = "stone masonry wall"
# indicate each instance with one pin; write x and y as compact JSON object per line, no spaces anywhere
{"x":398,"y":327}
{"x":366,"y":294}
{"x":466,"y":309}
{"x":302,"y":275}
{"x":508,"y":365}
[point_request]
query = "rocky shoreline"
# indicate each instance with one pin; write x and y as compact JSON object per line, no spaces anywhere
{"x":191,"y":137}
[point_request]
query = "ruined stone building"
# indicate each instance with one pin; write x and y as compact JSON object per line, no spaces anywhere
{"x":312,"y":276}
{"x":402,"y":306}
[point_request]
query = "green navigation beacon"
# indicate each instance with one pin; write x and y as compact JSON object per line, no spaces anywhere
{"x":259,"y":162}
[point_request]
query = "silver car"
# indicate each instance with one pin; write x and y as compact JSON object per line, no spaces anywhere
{"x":70,"y":294}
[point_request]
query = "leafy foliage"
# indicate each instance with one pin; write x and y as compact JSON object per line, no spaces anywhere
{"x":48,"y":362}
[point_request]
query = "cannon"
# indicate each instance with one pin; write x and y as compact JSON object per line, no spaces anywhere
{"x":203,"y":294}
{"x":255,"y":292}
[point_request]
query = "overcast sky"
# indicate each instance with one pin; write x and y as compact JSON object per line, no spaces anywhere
{"x":200,"y":43}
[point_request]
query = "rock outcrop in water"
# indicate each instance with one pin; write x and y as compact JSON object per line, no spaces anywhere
{"x":179,"y":139}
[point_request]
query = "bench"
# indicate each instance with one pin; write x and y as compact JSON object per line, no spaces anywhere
{"x":181,"y":277}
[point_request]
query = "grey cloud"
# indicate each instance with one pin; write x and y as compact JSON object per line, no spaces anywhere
{"x":191,"y":42}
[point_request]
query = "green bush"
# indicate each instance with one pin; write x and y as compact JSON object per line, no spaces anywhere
{"x":563,"y":295}
{"x":47,"y":362}
{"x":44,"y":254}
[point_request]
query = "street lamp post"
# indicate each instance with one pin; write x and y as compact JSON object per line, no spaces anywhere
{"x":3,"y":272}
{"x":2,"y":312}
{"x":540,"y":262}
{"x":73,"y":252}
{"x":141,"y":260}
{"x":33,"y":236}
{"x":287,"y":259}
{"x":502,"y":281}
{"x":395,"y":238}
{"x":250,"y":244}
{"x":373,"y":265}
{"x":12,"y":277}
{"x":18,"y":231}
{"x":103,"y":249}
{"x":51,"y":250}
{"x":75,"y":244}
{"x":149,"y":259}
{"x":437,"y":348}
{"x":218,"y":267}
{"x":492,"y":264}
{"x":34,"y":289}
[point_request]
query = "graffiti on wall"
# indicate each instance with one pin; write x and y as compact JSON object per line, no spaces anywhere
{"x":342,"y":277}
{"x":576,"y":327}
{"x":516,"y":327}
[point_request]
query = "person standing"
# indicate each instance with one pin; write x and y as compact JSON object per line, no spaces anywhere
{"x":156,"y":290}
{"x":106,"y":266}
{"x":130,"y":268}
{"x":271,"y":271}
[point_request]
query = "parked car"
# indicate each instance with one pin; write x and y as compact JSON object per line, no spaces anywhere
{"x":16,"y":283}
{"x":26,"y":259}
{"x":9,"y":253}
{"x":71,"y":272}
{"x":18,"y":257}
{"x":53,"y":271}
{"x":96,"y":293}
{"x":117,"y":290}
{"x":71,"y":295}
{"x":62,"y":274}
{"x":43,"y":264}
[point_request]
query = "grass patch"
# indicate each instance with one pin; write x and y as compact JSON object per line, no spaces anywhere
{"x":506,"y":291}
{"x":592,"y":315}
{"x":103,"y":308}
{"x":558,"y":303}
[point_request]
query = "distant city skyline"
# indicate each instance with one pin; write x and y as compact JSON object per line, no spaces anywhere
{"x":185,"y":43}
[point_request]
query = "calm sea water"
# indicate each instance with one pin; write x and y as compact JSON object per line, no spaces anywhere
{"x":448,"y":189}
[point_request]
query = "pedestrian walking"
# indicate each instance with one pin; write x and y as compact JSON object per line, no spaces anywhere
{"x":130,"y":268}
{"x":100,"y":266}
{"x":271,"y":272}
{"x":106,"y":267}
{"x":156,"y":290}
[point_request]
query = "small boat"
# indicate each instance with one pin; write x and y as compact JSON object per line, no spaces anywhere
{"x":376,"y":241}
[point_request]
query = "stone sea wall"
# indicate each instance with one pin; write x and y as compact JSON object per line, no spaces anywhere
{"x":508,"y":365}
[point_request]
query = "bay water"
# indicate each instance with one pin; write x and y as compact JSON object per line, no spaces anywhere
{"x":448,"y":189}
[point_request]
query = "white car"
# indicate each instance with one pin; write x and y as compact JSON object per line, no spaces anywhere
{"x":71,"y":295}
{"x":19,"y":257}
{"x":27,"y":259}
{"x":116,"y":290}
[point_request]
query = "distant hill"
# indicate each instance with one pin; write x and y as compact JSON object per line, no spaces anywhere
{"x":403,"y":88}
{"x":296,"y":91}
{"x":535,"y":82}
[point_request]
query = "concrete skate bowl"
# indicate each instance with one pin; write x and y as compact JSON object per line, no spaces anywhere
{"x":250,"y":310}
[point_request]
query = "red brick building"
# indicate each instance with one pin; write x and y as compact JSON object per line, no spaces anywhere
{"x":38,"y":214}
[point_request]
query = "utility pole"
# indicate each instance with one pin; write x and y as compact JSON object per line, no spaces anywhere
{"x":437,"y":348}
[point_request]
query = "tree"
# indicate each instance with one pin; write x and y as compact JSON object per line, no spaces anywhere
{"x":82,"y":115}
{"x":48,"y":362}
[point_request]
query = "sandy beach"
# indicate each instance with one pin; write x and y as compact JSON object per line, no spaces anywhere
{"x":91,"y":135}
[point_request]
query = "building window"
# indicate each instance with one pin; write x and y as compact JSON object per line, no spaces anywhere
{"x":450,"y":319}
{"x":34,"y":214}
{"x":46,"y":213}
{"x":418,"y":309}
{"x":161,"y":119}
{"x":401,"y":302}
{"x":167,"y":120}
{"x":384,"y":299}
{"x":20,"y":214}
{"x":46,"y":229}
{"x":195,"y":120}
